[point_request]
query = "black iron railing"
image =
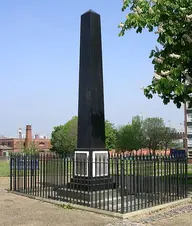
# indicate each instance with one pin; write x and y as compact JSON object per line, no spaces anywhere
{"x":121,"y":183}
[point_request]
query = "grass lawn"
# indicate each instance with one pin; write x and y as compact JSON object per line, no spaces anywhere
{"x":190,"y":181}
{"x":57,"y":167}
{"x":190,"y":168}
{"x":4,"y":169}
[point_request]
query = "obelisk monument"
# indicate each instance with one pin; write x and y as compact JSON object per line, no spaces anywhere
{"x":91,"y":120}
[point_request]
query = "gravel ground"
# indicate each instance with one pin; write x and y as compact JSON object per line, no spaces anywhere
{"x":179,"y":215}
{"x":21,"y":211}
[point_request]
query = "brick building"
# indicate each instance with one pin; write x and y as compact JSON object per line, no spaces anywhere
{"x":18,"y":144}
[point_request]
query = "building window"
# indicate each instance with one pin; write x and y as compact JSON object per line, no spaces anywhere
{"x":189,"y":117}
{"x":9,"y":144}
{"x":189,"y":129}
{"x":188,"y":105}
{"x":190,"y":142}
{"x":41,"y":144}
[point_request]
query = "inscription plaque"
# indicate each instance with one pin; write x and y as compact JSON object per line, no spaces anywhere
{"x":81,"y":160}
{"x":100,"y":164}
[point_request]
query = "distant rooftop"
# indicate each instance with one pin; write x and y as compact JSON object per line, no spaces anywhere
{"x":4,"y":147}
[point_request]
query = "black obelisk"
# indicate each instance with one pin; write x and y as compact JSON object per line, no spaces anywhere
{"x":91,"y":121}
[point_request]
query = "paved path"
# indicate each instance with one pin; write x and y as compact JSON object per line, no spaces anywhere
{"x":180,"y":215}
{"x":21,"y":211}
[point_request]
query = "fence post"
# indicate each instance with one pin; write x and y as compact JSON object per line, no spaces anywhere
{"x":122,"y":178}
{"x":154,"y":180}
{"x":15,"y":172}
{"x":24,"y":173}
{"x":186,"y":175}
{"x":18,"y":171}
{"x":11,"y":176}
{"x":177,"y":160}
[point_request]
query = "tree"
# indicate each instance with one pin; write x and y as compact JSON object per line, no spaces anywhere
{"x":153,"y":130}
{"x":130,"y":137}
{"x":176,"y":144}
{"x":137,"y":130}
{"x":125,"y":138}
{"x":110,"y":135}
{"x":168,"y":137}
{"x":64,"y":137}
{"x":172,"y":22}
{"x":31,"y":149}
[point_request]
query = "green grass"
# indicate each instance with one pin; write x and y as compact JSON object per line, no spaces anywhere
{"x":190,"y":181}
{"x":190,"y":168}
{"x":4,"y":169}
{"x":58,"y":167}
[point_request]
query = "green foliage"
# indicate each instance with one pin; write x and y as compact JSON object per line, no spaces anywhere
{"x":31,"y":149}
{"x":167,"y":138}
{"x":172,"y":22}
{"x":150,"y":133}
{"x":176,"y":144}
{"x":130,"y":137}
{"x":124,"y":138}
{"x":64,"y":137}
{"x":110,"y":135}
{"x":4,"y":169}
{"x":137,"y":130}
{"x":153,"y":131}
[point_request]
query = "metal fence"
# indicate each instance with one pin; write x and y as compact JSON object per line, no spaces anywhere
{"x":138,"y":182}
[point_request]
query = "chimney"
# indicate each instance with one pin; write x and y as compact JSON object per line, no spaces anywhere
{"x":28,"y":138}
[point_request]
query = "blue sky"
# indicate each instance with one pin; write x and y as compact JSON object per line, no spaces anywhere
{"x":39,"y":55}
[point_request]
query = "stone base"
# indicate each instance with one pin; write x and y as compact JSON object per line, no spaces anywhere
{"x":110,"y":200}
{"x":91,"y":184}
{"x":91,"y":171}
{"x":85,"y":196}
